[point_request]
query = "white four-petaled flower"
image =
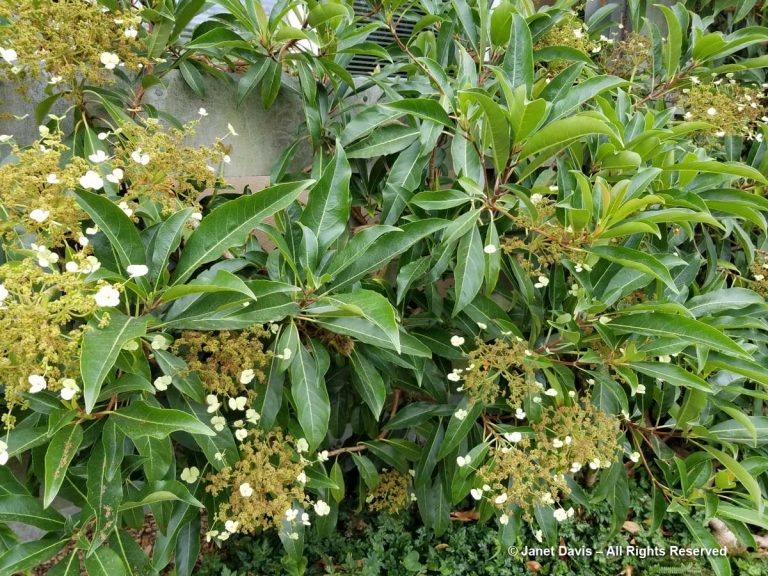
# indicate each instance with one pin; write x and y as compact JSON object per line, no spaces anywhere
{"x":91,"y":181}
{"x":190,"y":475}
{"x":39,"y":215}
{"x":162,"y":383}
{"x":245,"y":490}
{"x":457,"y":341}
{"x":321,"y":508}
{"x":110,"y":60}
{"x":69,"y":389}
{"x":37,"y":383}
{"x":107,"y":297}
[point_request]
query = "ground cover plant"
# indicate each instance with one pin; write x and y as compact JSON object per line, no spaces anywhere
{"x":526,"y":266}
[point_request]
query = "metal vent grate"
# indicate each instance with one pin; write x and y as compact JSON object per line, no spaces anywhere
{"x":363,"y":65}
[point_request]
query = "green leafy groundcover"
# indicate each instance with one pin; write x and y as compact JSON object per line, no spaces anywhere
{"x":526,"y":263}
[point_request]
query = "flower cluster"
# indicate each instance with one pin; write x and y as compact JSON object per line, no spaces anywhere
{"x":496,"y":370}
{"x":158,"y":166}
{"x":630,"y":57}
{"x":264,"y":485}
{"x":570,"y":32}
{"x":40,"y":348}
{"x":70,"y":40}
{"x":33,"y":191}
{"x":759,"y":275}
{"x":227,"y":361}
{"x":732,"y":108}
{"x":529,"y":469}
{"x":392,"y":494}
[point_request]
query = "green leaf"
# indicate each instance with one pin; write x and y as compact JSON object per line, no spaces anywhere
{"x":162,"y":491}
{"x":368,"y":382}
{"x":61,"y":450}
{"x":140,"y":419}
{"x":720,"y":564}
{"x":327,"y":210}
{"x":746,"y":479}
{"x":470,"y":268}
{"x":166,"y":241}
{"x":230,"y":224}
{"x":637,"y":260}
{"x":671,"y":373}
{"x":27,"y":555}
{"x":495,"y":122}
{"x":735,"y":169}
{"x":28,"y":510}
{"x":663,"y":325}
{"x":518,"y":59}
{"x":457,"y":429}
{"x":68,"y":566}
{"x":100,"y":349}
{"x":104,"y":562}
{"x":382,"y":250}
{"x":313,"y":407}
{"x":422,"y":108}
{"x":119,"y":228}
{"x":735,"y":432}
{"x":387,"y":140}
{"x":725,"y":299}
{"x":673,"y":45}
{"x":366,"y":304}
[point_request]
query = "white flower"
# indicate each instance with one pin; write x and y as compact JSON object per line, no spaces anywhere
{"x":557,"y":443}
{"x":604,"y":320}
{"x":551,"y":392}
{"x":572,"y":393}
{"x":252,"y":416}
{"x":712,"y":111}
{"x":301,"y":478}
{"x":39,"y":215}
{"x":322,"y":456}
{"x":237,"y":403}
{"x":223,"y":536}
{"x":543,"y":281}
{"x":503,"y":519}
{"x":137,"y":270}
{"x":140,"y":158}
{"x":131,"y":32}
{"x":539,"y":535}
{"x":160,"y":342}
{"x":218,"y":423}
{"x":211,"y":534}
{"x":457,"y":341}
{"x":513,"y":437}
{"x":293,"y":536}
{"x":537,"y":198}
{"x":575,"y":467}
{"x":9,"y":55}
{"x":231,"y":526}
{"x":321,"y":508}
{"x":520,"y":414}
{"x":595,"y":464}
{"x":501,"y":498}
{"x":460,"y":414}
{"x":490,"y":249}
{"x":546,"y":498}
{"x":231,"y":130}
{"x":213,"y":403}
{"x":131,"y":346}
{"x":52,"y":179}
{"x":578,"y":33}
{"x":3,"y":453}
{"x":196,"y":216}
{"x":246,"y":376}
{"x":190,"y":475}
{"x":302,"y":445}
{"x":463,"y":460}
{"x":291,"y":514}
{"x":477,"y":494}
{"x":560,"y":515}
{"x":125,"y":208}
{"x":635,"y":457}
{"x":305,"y":519}
{"x":98,"y":157}
{"x":241,"y":434}
{"x":91,"y":230}
{"x":3,"y":292}
{"x":226,"y":158}
{"x":83,"y":241}
{"x":109,"y":60}
{"x":568,"y":440}
{"x":69,"y":389}
{"x":107,"y":296}
{"x":454,"y":376}
{"x":91,"y":181}
{"x":202,"y":112}
{"x":36,"y":383}
{"x":641,"y":388}
{"x":91,"y":264}
{"x":116,"y":176}
{"x":759,"y":277}
{"x":219,"y":456}
{"x":482,"y":326}
{"x":162,"y":382}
